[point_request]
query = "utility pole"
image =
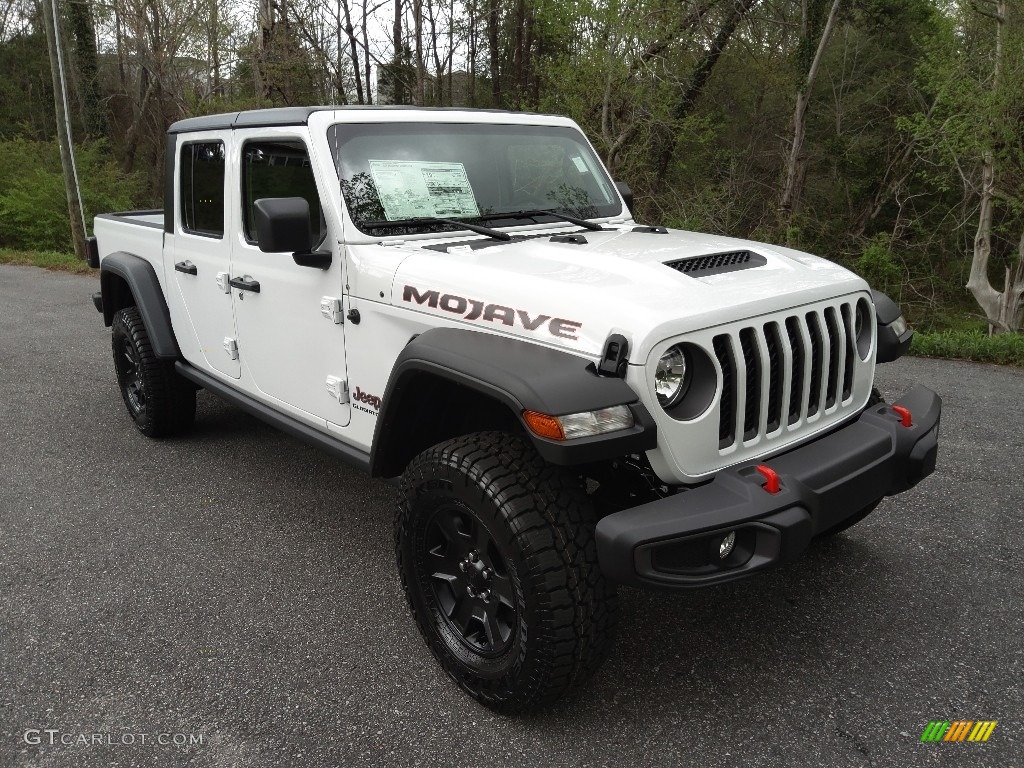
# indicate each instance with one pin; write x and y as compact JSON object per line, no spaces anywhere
{"x":67,"y":159}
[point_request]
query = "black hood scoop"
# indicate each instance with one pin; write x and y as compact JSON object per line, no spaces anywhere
{"x":717,"y":263}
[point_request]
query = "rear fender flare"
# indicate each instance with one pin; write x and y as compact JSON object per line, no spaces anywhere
{"x":127,"y":279}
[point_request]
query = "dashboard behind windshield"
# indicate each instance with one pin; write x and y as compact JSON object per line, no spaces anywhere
{"x":401,"y":171}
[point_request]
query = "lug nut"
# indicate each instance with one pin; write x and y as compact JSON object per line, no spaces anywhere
{"x":473,"y":556}
{"x":485,"y":595}
{"x":487,"y":573}
{"x":463,"y":566}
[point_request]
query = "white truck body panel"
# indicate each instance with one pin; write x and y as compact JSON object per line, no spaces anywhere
{"x":565,"y":296}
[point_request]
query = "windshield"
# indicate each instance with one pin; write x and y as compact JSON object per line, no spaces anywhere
{"x":401,"y":171}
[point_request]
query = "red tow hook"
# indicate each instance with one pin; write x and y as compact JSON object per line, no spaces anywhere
{"x":904,"y":415}
{"x":771,"y":476}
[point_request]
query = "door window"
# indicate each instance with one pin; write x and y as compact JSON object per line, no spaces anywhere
{"x":202,"y":188}
{"x":279,"y":169}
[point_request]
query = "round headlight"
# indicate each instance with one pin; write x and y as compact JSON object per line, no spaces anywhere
{"x":863,"y":325}
{"x":670,"y":378}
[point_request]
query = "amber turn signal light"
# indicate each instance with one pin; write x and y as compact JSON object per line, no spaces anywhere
{"x":543,"y":425}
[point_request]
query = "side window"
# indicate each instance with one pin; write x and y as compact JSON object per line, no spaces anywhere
{"x":202,"y":188}
{"x":279,"y":169}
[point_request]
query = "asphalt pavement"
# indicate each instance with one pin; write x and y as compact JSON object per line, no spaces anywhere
{"x":230,"y":599}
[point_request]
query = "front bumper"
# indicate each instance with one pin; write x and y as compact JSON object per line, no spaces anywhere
{"x":674,"y":542}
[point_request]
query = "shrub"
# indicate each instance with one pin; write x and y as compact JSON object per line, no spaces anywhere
{"x":1006,"y":348}
{"x":33,"y":205}
{"x":879,"y":266}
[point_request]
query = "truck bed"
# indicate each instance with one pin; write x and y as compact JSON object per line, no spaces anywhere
{"x":140,"y":233}
{"x":149,"y":218}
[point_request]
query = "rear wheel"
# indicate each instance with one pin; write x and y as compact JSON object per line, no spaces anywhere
{"x":160,"y":402}
{"x":497,"y":557}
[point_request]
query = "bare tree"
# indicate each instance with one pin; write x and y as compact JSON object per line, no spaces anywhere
{"x":67,"y":160}
{"x":1002,"y":308}
{"x":796,"y":163}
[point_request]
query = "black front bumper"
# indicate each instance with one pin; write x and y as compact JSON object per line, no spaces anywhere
{"x":675,"y":542}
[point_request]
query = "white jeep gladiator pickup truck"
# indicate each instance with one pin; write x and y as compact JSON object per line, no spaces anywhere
{"x":569,"y":401}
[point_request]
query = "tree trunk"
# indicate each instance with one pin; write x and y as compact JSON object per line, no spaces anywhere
{"x":1002,"y":309}
{"x":492,"y":43}
{"x":472,"y":53}
{"x":421,"y":74}
{"x":397,"y":87}
{"x":215,"y":45}
{"x":67,"y":160}
{"x":796,"y":163}
{"x":94,"y":118}
{"x":366,"y":56}
{"x":350,"y":32}
{"x":698,"y":80}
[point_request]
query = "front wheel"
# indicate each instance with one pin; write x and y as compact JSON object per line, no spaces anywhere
{"x":497,"y":557}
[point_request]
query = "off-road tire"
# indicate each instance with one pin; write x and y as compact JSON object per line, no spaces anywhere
{"x":540,"y":526}
{"x":159,"y":401}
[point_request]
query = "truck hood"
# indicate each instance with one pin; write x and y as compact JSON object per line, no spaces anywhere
{"x":573,"y":296}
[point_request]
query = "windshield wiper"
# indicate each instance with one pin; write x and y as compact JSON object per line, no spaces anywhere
{"x":533,"y":214}
{"x":496,"y":234}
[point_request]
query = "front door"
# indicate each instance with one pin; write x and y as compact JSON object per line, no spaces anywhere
{"x":290,"y":341}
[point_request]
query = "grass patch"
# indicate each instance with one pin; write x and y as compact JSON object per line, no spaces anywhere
{"x":62,"y":262}
{"x":1005,"y":349}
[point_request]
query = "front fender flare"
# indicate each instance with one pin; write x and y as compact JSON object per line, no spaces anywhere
{"x":521,"y":376}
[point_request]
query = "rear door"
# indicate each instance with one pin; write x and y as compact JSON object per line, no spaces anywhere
{"x":290,"y":340}
{"x":198,"y":252}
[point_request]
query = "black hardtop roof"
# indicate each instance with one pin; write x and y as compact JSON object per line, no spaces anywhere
{"x":264,"y":118}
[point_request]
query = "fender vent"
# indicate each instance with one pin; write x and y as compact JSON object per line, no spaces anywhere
{"x":717,"y":263}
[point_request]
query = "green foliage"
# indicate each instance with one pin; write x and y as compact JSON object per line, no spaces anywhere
{"x":879,"y":265}
{"x":1005,"y":349}
{"x":55,"y":260}
{"x":901,"y":113}
{"x":26,"y":95}
{"x":33,"y":205}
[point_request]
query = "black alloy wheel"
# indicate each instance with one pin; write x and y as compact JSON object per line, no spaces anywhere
{"x":470,"y":580}
{"x":497,"y":556}
{"x":130,"y":375}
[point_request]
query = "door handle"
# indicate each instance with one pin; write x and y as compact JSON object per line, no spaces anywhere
{"x":187,"y":267}
{"x":245,"y":285}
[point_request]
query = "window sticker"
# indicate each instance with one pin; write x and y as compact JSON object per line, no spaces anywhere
{"x":580,"y":165}
{"x":412,"y":188}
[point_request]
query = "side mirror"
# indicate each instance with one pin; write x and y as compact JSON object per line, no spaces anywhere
{"x":282,"y":224}
{"x":627,"y":194}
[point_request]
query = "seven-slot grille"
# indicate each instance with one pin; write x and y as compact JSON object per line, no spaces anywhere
{"x":785,"y":372}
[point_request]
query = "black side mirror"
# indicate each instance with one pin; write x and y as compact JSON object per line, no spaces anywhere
{"x":283,"y":224}
{"x":627,"y":194}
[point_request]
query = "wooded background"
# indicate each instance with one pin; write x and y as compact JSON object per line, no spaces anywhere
{"x":883,"y":134}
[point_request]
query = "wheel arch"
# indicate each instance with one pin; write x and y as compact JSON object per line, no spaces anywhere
{"x":448,"y":382}
{"x":128,"y":280}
